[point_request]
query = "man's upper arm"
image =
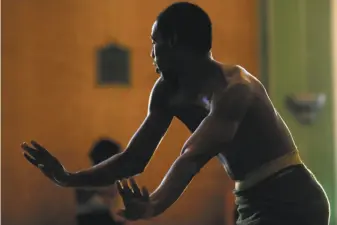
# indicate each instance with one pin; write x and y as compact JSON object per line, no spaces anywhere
{"x":233,"y":103}
{"x":158,"y":109}
{"x":144,"y":142}
{"x":220,"y":126}
{"x":137,"y":154}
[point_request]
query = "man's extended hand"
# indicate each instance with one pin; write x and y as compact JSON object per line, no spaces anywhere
{"x":137,"y":203}
{"x":48,"y":164}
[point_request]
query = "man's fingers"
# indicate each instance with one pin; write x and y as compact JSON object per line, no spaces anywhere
{"x":125,"y":183}
{"x":31,"y":151}
{"x":123,"y":189}
{"x":25,"y":146}
{"x":126,"y":188}
{"x":39,"y":147}
{"x":31,"y":159}
{"x":146,"y":194}
{"x":120,"y":188}
{"x":135,"y":188}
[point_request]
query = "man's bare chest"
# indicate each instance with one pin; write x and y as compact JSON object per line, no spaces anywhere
{"x":181,"y":99}
{"x":190,"y":109}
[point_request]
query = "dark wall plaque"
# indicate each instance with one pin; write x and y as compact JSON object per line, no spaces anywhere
{"x":113,"y":62}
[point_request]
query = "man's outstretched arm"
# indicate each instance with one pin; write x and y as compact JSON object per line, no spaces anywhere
{"x":128,"y":163}
{"x":139,"y":151}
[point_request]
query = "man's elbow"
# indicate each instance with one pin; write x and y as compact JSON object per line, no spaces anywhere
{"x":138,"y":170}
{"x":133,"y":165}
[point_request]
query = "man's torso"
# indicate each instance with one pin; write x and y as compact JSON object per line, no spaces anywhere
{"x":261,"y":137}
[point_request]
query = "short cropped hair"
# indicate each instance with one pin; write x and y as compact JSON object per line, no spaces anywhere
{"x":103,"y":149}
{"x":189,"y":23}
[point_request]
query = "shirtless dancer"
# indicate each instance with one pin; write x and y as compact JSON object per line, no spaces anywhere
{"x":231,"y":117}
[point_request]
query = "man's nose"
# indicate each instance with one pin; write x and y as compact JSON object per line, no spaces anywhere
{"x":152,"y":53}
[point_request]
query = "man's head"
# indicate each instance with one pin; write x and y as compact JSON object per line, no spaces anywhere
{"x":103,"y":149}
{"x":181,"y":30}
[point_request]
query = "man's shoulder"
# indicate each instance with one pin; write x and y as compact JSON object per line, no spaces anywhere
{"x":240,"y":89}
{"x":242,"y":79}
{"x":158,"y":84}
{"x":239,"y":75}
{"x":160,"y":88}
{"x":160,"y":94}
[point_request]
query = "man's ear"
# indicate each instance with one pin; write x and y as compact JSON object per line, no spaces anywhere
{"x":173,"y":40}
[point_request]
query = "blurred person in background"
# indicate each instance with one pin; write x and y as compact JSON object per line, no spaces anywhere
{"x":99,"y":206}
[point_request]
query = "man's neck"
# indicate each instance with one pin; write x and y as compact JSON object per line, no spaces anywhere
{"x":197,"y":72}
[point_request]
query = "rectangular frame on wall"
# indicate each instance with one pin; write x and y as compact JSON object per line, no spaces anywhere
{"x":113,"y":66}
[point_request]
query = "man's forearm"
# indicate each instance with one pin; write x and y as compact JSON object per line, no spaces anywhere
{"x":128,"y":163}
{"x":175,"y":182}
{"x":160,"y":205}
{"x":106,"y":173}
